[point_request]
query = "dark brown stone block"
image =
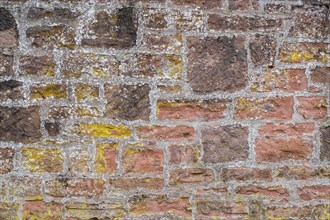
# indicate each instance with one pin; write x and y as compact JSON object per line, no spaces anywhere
{"x":325,"y":143}
{"x":6,"y":64}
{"x":129,"y":102}
{"x":20,"y":124}
{"x":217,"y":64}
{"x":242,"y":23}
{"x":8,"y":29}
{"x":6,"y":160}
{"x":263,"y":49}
{"x":53,"y":129}
{"x":117,"y":30}
{"x":11,"y":89}
{"x":224,"y":144}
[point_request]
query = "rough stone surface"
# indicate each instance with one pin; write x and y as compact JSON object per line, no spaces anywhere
{"x":117,"y":30}
{"x":164,"y":109}
{"x":224,"y":144}
{"x":208,"y":72}
{"x":128,"y":102}
{"x":20,"y":124}
{"x":325,"y":143}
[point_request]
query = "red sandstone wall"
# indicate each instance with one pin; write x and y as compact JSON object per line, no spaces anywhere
{"x":164,"y":109}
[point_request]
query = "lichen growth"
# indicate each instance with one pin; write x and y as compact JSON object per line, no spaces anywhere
{"x":104,"y":130}
{"x":49,"y":91}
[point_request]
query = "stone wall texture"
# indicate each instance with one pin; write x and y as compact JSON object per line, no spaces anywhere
{"x":164,"y":109}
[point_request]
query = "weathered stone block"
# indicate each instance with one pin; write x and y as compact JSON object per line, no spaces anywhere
{"x":40,"y":160}
{"x":6,"y":160}
{"x":117,"y":30}
{"x":325,"y":143}
{"x":11,"y":89}
{"x":209,"y":72}
{"x":310,"y":21}
{"x":37,"y":65}
{"x":20,"y":124}
{"x":106,"y":158}
{"x":8,"y":29}
{"x":143,"y":160}
{"x":263,"y":49}
{"x":224,"y":144}
{"x":128,"y":102}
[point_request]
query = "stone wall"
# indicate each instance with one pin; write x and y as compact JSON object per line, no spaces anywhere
{"x":164,"y":109}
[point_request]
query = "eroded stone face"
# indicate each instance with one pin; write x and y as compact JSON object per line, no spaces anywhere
{"x":325,"y":143}
{"x":208,"y":71}
{"x":20,"y":124}
{"x":310,"y":21}
{"x":129,"y":102}
{"x":8,"y":29}
{"x":116,"y":30}
{"x":224,"y":144}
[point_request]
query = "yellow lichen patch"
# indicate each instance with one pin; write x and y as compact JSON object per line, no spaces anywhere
{"x":48,"y":91}
{"x":104,"y":130}
{"x":86,"y":92}
{"x":106,"y":158}
{"x":39,"y":160}
{"x":304,"y":52}
{"x":174,"y":65}
{"x":8,"y":210}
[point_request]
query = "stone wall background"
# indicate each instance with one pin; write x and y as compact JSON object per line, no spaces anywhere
{"x":168,"y":109}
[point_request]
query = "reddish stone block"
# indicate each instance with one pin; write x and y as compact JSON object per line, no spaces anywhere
{"x":97,"y":210}
{"x":41,"y":210}
{"x":246,"y":174}
{"x":273,"y":191}
{"x":191,"y":110}
{"x":275,"y":150}
{"x":297,"y":129}
{"x":312,"y":107}
{"x":133,"y":183}
{"x":314,"y":192}
{"x":304,"y":52}
{"x":142,"y":160}
{"x":106,"y":158}
{"x":150,"y":204}
{"x":264,"y":108}
{"x":289,"y":80}
{"x":191,"y":175}
{"x":75,"y":187}
{"x":166,"y":133}
{"x":183,"y":153}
